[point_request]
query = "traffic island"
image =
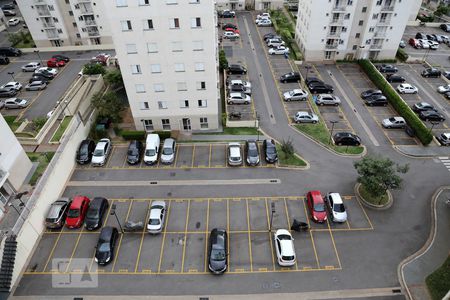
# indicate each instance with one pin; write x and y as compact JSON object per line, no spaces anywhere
{"x":379,"y":203}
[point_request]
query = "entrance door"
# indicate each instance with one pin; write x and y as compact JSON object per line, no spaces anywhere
{"x":186,"y":124}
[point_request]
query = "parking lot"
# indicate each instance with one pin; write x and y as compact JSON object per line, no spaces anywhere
{"x":182,"y":247}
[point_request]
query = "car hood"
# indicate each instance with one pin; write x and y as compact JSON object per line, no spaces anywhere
{"x":83,"y":156}
{"x":98,"y":159}
{"x":153,"y":227}
{"x":167,"y":157}
{"x":72,"y":221}
{"x":217,"y":265}
{"x":252,"y":159}
{"x":320,"y":215}
{"x":102,"y":256}
{"x":91,"y":223}
{"x":133,"y":157}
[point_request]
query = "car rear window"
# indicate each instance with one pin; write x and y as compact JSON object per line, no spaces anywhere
{"x":287,"y":258}
{"x":339,"y":207}
{"x":319,"y":207}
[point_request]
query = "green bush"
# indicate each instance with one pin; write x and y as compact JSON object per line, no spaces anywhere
{"x":223,"y":62}
{"x":383,"y":61}
{"x":133,"y":135}
{"x":422,"y":132}
{"x":163,"y":134}
{"x":401,"y":55}
{"x":93,"y":69}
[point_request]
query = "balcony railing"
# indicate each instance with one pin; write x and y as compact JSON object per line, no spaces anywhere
{"x":90,"y":22}
{"x":384,"y":22}
{"x":380,"y":34}
{"x":338,"y":21}
{"x":376,"y":46}
{"x":332,"y":46}
{"x":43,"y":12}
{"x":334,"y":33}
{"x":93,"y":33}
{"x":388,"y":8}
{"x":339,"y":8}
{"x":48,"y":25}
{"x":86,"y":11}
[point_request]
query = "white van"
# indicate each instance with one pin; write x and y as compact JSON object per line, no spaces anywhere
{"x":151,"y":149}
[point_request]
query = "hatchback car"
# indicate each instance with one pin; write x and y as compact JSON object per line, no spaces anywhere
{"x":104,"y":251}
{"x":394,"y":122}
{"x":13,"y":22}
{"x":387,"y":68}
{"x":44,"y":73}
{"x":316,"y":206}
{"x":421,"y":106}
{"x":57,"y":213}
{"x":85,"y":152}
{"x":444,"y":138}
{"x":157,"y":217}
{"x":7,"y":92}
{"x":275,"y":42}
{"x":346,"y":139}
{"x":370,"y":93}
{"x":52,"y":71}
{"x":227,"y":14}
{"x":252,"y":153}
{"x":236,"y":69}
{"x":234,"y":154}
{"x":233,"y":30}
{"x":414,"y":42}
{"x":168,"y":151}
{"x":230,"y":35}
{"x":31,"y":67}
{"x":77,"y":211}
{"x":377,"y":100}
{"x":12,"y":85}
{"x":96,"y":211}
{"x":327,"y":99}
{"x":310,"y":80}
{"x":15,"y":103}
{"x":101,"y":152}
{"x":217,"y":251}
{"x":406,"y":88}
{"x":279,"y":50}
{"x":134,"y":153}
{"x":238,"y":98}
{"x":39,"y":77}
{"x":305,"y":117}
{"x":394,"y":78}
{"x":36,"y":86}
{"x":229,"y":25}
{"x":60,"y":57}
{"x":290,"y":77}
{"x":337,"y":208}
{"x":444,"y":89}
{"x":445,"y":27}
{"x":264,"y":23}
{"x":284,"y":247}
{"x":431,"y":72}
{"x":270,"y":151}
{"x":240,"y":82}
{"x":295,"y":95}
{"x":318,"y":88}
{"x":431,"y":115}
{"x":271,"y":35}
{"x":55,"y":63}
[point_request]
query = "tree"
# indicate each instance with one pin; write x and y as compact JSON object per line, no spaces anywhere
{"x":441,"y":10}
{"x":287,"y":147}
{"x":93,"y":69}
{"x":377,"y":175}
{"x":114,"y":78}
{"x":223,"y":62}
{"x":108,"y":105}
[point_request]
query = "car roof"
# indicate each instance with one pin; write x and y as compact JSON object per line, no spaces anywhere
{"x":236,"y":95}
{"x":77,"y":200}
{"x":106,"y":233}
{"x":317,"y":197}
{"x":96,"y":202}
{"x":446,"y":134}
{"x":336,"y":198}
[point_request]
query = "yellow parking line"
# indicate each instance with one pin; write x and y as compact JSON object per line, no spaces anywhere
{"x":249,"y":237}
{"x":209,"y":159}
{"x":289,"y":225}
{"x":365,"y":214}
{"x":193,"y":156}
{"x":185,"y":235}
{"x":270,"y":235}
{"x":164,"y":237}
{"x":310,"y":233}
{"x":176,"y":156}
{"x":334,"y":244}
{"x":121,"y":237}
{"x":142,"y":239}
{"x":53,"y":250}
{"x":206,"y":237}
{"x":74,"y":249}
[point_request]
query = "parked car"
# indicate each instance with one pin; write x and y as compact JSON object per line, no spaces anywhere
{"x":270,"y":151}
{"x":157,"y":217}
{"x":9,"y":13}
{"x":31,"y":67}
{"x":240,"y":86}
{"x":316,"y":206}
{"x":7,"y":92}
{"x":305,"y":117}
{"x":4,"y":60}
{"x":284,"y":247}
{"x":243,"y":83}
{"x":56,"y":215}
{"x":36,"y":86}
{"x":2,"y":104}
{"x":421,"y":36}
{"x":13,"y":22}
{"x":415,"y":43}
{"x":236,"y":69}
{"x":337,"y":208}
{"x":394,"y":122}
{"x":271,"y":35}
{"x":275,"y":42}
{"x":431,"y":72}
{"x":437,"y":38}
{"x":295,"y":95}
{"x":60,"y":57}
{"x":402,"y":44}
{"x":445,"y":27}
{"x":218,"y":251}
{"x":44,"y":74}
{"x":310,"y":80}
{"x":406,"y":88}
{"x":422,"y":106}
{"x":97,"y":209}
{"x":12,"y":85}
{"x":290,"y":77}
{"x":38,"y":77}
{"x":263,"y":15}
{"x":101,"y":153}
{"x":234,"y":154}
{"x":377,"y":100}
{"x":77,"y":211}
{"x":280,"y":50}
{"x":431,"y":115}
{"x":433,"y":45}
{"x":444,"y":138}
{"x":369,"y":93}
{"x":168,"y":151}
{"x":134,"y":153}
{"x":424,"y":44}
{"x":346,"y":139}
{"x":101,"y":58}
{"x":229,"y":25}
{"x":52,"y":71}
{"x":230,"y":35}
{"x":264,"y":23}
{"x":15,"y":103}
{"x":317,"y":88}
{"x":105,"y":249}
{"x":85,"y":152}
{"x":327,"y":99}
{"x":444,"y":89}
{"x":54,"y":63}
{"x":394,"y":78}
{"x":8,"y":6}
{"x":238,"y":98}
{"x":387,"y":68}
{"x":10,"y":51}
{"x":233,"y":30}
{"x":227,"y":14}
{"x":252,"y":153}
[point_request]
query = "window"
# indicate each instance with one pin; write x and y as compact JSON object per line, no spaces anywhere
{"x":126,"y":25}
{"x":144,"y":105}
{"x":162,"y":104}
{"x":148,"y":125}
{"x":374,"y":16}
{"x":158,"y":87}
{"x":368,"y":41}
{"x":371,"y":29}
{"x":197,"y":45}
{"x":355,"y":47}
{"x":361,"y":22}
{"x":327,"y":54}
{"x":171,"y":2}
{"x":194,"y":1}
{"x":179,"y":67}
{"x":204,"y":123}
{"x":364,"y":9}
{"x":148,"y":24}
{"x":379,"y":2}
{"x":78,"y":35}
{"x":135,"y":69}
{"x":174,"y":23}
{"x":156,"y":68}
{"x":346,"y":16}
{"x":196,"y":23}
{"x":121,"y":3}
{"x":51,"y":8}
{"x":202,"y":103}
{"x":165,"y":124}
{"x":177,"y":47}
{"x":184,"y":103}
{"x":181,"y":86}
{"x":357,"y":35}
{"x":70,"y":13}
{"x":131,"y":48}
{"x":60,"y":30}
{"x":55,"y":20}
{"x":199,"y":67}
{"x":140,"y":88}
{"x":152,"y":47}
{"x":144,"y":2}
{"x":201,"y":85}
{"x":350,"y":2}
{"x":344,"y":29}
{"x":74,"y":25}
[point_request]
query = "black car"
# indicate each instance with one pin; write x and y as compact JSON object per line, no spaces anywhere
{"x":85,"y":151}
{"x":236,"y":69}
{"x":270,"y":151}
{"x":9,"y":13}
{"x":37,"y":77}
{"x":269,"y":36}
{"x":46,"y":74}
{"x":431,"y":115}
{"x":395,"y":78}
{"x":10,"y":51}
{"x":346,"y":139}
{"x":227,"y":14}
{"x":422,"y":106}
{"x":310,"y":80}
{"x":430,"y":37}
{"x":387,"y":68}
{"x":370,"y":93}
{"x":444,"y":139}
{"x":447,"y":95}
{"x":104,"y":251}
{"x":95,"y":213}
{"x":61,"y":58}
{"x":320,"y":88}
{"x":134,"y":153}
{"x":4,"y":60}
{"x":421,"y":36}
{"x":229,"y":25}
{"x":445,"y":27}
{"x":431,"y":72}
{"x":6,"y":92}
{"x":376,"y":100}
{"x":252,"y":153}
{"x":8,"y":6}
{"x":217,"y":252}
{"x":290,"y":77}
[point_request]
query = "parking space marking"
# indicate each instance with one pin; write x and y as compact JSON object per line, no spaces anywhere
{"x":121,"y":236}
{"x":334,"y":244}
{"x":53,"y":250}
{"x":289,"y":226}
{"x":270,"y":234}
{"x":142,"y":239}
{"x":185,"y":234}
{"x":206,"y":238}
{"x":108,"y":164}
{"x":311,"y":235}
{"x":249,"y":237}
{"x":164,"y":237}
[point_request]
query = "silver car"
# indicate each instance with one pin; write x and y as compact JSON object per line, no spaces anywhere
{"x":36,"y":86}
{"x":57,"y":213}
{"x":239,"y":98}
{"x":168,"y":151}
{"x":31,"y":67}
{"x":234,"y":154}
{"x":15,"y":103}
{"x":327,"y":99}
{"x":157,"y":216}
{"x":394,"y":122}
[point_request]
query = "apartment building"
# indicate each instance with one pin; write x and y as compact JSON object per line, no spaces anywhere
{"x":168,"y":55}
{"x":351,"y":29}
{"x":66,"y":22}
{"x":249,"y":4}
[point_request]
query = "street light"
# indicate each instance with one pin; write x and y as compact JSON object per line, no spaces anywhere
{"x":12,"y":75}
{"x":113,"y":213}
{"x":272,"y":206}
{"x":37,"y":52}
{"x":332,"y":128}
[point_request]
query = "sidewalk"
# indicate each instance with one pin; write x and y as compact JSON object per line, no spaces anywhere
{"x":421,"y":151}
{"x":221,"y":137}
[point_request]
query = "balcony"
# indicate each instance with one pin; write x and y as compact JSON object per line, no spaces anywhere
{"x":339,"y":8}
{"x":93,"y":33}
{"x":90,"y":22}
{"x":384,"y":22}
{"x":336,"y":33}
{"x":331,"y":46}
{"x":52,"y":34}
{"x":48,"y":24}
{"x":388,"y":8}
{"x":380,"y":34}
{"x":43,"y":12}
{"x":86,"y":11}
{"x":337,"y":21}
{"x":376,"y":46}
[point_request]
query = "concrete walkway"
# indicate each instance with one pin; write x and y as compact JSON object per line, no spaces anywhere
{"x":223,"y":137}
{"x":421,"y":151}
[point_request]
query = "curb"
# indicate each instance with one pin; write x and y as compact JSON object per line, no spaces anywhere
{"x":370,"y":205}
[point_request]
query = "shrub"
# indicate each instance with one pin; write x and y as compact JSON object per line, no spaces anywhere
{"x":93,"y":69}
{"x":223,"y":62}
{"x":38,"y":123}
{"x":401,"y":55}
{"x":133,"y":135}
{"x":163,"y":134}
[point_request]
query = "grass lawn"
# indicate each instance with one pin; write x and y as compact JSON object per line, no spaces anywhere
{"x":320,"y":133}
{"x":289,"y":161}
{"x":13,"y":125}
{"x":43,"y":159}
{"x":61,"y":129}
{"x":438,"y":282}
{"x":369,"y":198}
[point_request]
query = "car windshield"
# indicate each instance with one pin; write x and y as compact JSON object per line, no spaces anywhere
{"x":284,"y":237}
{"x":104,"y":247}
{"x":319,"y":207}
{"x":133,"y":151}
{"x":167,"y":151}
{"x":339,"y":207}
{"x":150,"y":152}
{"x":98,"y":152}
{"x":73,"y":213}
{"x":50,"y":220}
{"x":154,"y":222}
{"x":288,"y":258}
{"x":252,"y":151}
{"x":217,"y":254}
{"x":234,"y":158}
{"x":392,"y":119}
{"x":92,"y":213}
{"x":271,"y":150}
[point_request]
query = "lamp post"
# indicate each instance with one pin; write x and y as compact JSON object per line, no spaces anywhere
{"x":15,"y":208}
{"x":12,"y":75}
{"x":332,"y":128}
{"x":272,"y":207}
{"x":37,"y":52}
{"x":113,"y":213}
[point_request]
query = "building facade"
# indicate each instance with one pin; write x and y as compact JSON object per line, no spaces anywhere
{"x":66,"y":22}
{"x":249,"y":4}
{"x":168,"y":55}
{"x":351,"y":29}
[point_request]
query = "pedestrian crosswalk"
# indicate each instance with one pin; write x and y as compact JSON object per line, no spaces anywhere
{"x":446,"y":161}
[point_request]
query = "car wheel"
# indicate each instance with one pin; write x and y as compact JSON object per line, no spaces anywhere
{"x":230,"y":102}
{"x":321,"y":103}
{"x":415,"y":92}
{"x":314,"y":122}
{"x":336,"y":104}
{"x":357,"y":144}
{"x":339,"y":144}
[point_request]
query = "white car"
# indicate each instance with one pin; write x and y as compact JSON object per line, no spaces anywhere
{"x":444,"y":89}
{"x":230,"y":35}
{"x":260,"y":18}
{"x":157,"y":216}
{"x":406,"y":88}
{"x":279,"y":50}
{"x":337,"y":208}
{"x":327,"y":99}
{"x":12,"y":85}
{"x":52,"y":71}
{"x":31,"y":67}
{"x":101,"y":152}
{"x":239,"y":98}
{"x":234,"y":154}
{"x":243,"y":83}
{"x":13,"y":22}
{"x":284,"y":247}
{"x":424,"y":44}
{"x":15,"y":103}
{"x":263,"y":15}
{"x":433,"y":45}
{"x":306,"y":117}
{"x":264,"y":22}
{"x":295,"y":95}
{"x":275,"y":42}
{"x":394,"y":122}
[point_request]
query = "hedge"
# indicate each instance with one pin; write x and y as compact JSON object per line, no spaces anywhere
{"x":421,"y":131}
{"x":141,"y":135}
{"x":401,"y":55}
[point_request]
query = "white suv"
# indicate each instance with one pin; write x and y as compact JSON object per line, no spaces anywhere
{"x":234,"y":154}
{"x":337,"y":208}
{"x":101,"y":152}
{"x":157,"y":216}
{"x":239,"y":98}
{"x":284,"y":246}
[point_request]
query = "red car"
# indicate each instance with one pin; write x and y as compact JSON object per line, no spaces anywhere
{"x":415,"y":43}
{"x":77,"y":212}
{"x":316,"y":206}
{"x":232,"y":30}
{"x":55,"y":63}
